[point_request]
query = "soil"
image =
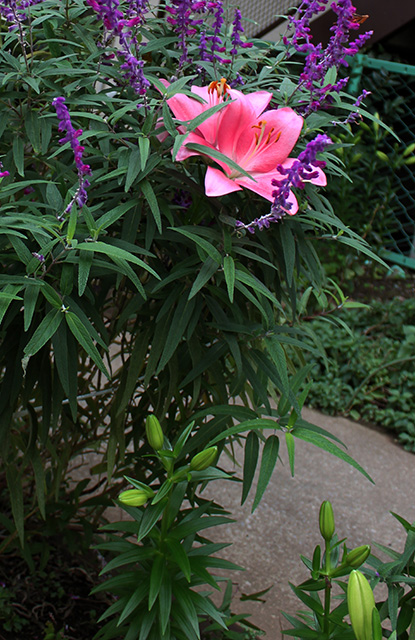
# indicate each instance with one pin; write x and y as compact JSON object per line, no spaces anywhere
{"x":371,"y":286}
{"x":53,"y":603}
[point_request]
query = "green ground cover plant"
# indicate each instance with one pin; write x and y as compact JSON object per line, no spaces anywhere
{"x":368,"y":371}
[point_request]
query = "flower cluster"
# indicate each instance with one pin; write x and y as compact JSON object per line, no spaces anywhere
{"x":122,"y":27}
{"x":318,"y":59}
{"x":304,"y":169}
{"x":14,"y":12}
{"x":186,"y":16}
{"x":72,"y":136}
{"x":237,"y":30}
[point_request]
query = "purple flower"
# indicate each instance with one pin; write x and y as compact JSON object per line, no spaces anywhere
{"x":123,"y":27}
{"x":319,"y":60}
{"x":38,"y":256}
{"x":303,"y":169}
{"x":72,"y":136}
{"x":3,"y":174}
{"x":184,"y":21}
{"x":14,"y":12}
{"x":236,"y":34}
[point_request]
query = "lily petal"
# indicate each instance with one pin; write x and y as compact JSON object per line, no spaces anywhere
{"x":185,"y":108}
{"x":281,"y":131}
{"x":217,"y":184}
{"x":259,"y":100}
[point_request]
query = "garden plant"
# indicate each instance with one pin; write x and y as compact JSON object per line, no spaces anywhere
{"x":163,"y":204}
{"x":351,"y":606}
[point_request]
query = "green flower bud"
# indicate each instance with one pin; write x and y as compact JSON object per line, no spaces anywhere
{"x":134,"y":497}
{"x":154,"y":433}
{"x":361,"y":601}
{"x":357,"y":557}
{"x":327,"y":526}
{"x":204,"y":459}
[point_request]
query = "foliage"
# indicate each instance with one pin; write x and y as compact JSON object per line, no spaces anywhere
{"x":393,"y":616}
{"x":368,"y":369}
{"x":125,"y":289}
{"x":163,"y":553}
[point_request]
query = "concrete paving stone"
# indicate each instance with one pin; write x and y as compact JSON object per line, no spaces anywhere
{"x":268,"y":542}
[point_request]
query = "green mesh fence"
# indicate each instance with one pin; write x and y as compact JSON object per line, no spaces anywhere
{"x":393,"y":97}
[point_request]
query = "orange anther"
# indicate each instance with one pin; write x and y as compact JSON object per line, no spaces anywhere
{"x":220,"y":86}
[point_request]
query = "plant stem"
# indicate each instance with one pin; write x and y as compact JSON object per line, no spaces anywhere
{"x":327,"y":589}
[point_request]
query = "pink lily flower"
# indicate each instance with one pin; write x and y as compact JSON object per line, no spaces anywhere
{"x":258,"y":141}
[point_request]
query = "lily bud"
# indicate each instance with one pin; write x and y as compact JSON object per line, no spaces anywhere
{"x":154,"y":433}
{"x":326,"y":520}
{"x":204,"y":459}
{"x":357,"y":557}
{"x":361,"y":601}
{"x":134,"y":497}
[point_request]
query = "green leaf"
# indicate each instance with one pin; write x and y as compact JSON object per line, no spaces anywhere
{"x":201,"y":242}
{"x":250,"y":463}
{"x":229,"y":271}
{"x":134,"y":168}
{"x":115,"y":252}
{"x":326,"y":445}
{"x":44,"y":332}
{"x":309,"y":601}
{"x":66,"y":362}
{"x":257,"y":285}
{"x":184,"y":599}
{"x":157,"y":572}
{"x":54,"y":198}
{"x":179,"y":556}
{"x":32,"y":126}
{"x":51,"y":295}
{"x":180,"y":320}
{"x":268,"y":461}
{"x":18,"y":154}
{"x":86,"y":259}
{"x":151,"y":515}
{"x":113,"y":215}
{"x":144,"y":147}
{"x":7,"y":296}
{"x":39,"y":481}
{"x":288,"y":249}
{"x":72,"y":223}
{"x":393,"y":604}
{"x":165,"y":601}
{"x":81,"y":333}
{"x":217,"y":155}
{"x":150,"y":196}
{"x":14,"y":483}
{"x":209,"y":267}
{"x":31,"y":295}
{"x":277,"y":355}
{"x":135,"y":600}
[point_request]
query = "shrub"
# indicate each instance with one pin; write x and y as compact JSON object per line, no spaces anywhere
{"x":128,"y":287}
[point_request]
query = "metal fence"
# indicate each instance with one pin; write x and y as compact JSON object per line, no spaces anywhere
{"x":264,"y":15}
{"x":393,"y":96}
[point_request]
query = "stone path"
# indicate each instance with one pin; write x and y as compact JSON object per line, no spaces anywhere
{"x":268,"y":543}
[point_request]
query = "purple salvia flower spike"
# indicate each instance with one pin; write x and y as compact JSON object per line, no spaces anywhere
{"x":72,"y":136}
